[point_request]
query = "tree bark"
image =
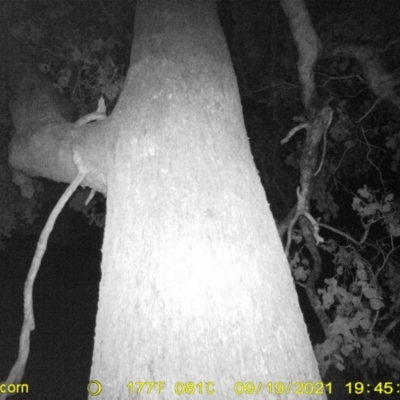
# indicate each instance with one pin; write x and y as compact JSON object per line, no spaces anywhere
{"x":195,"y":285}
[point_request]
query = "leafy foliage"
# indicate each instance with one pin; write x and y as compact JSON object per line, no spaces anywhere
{"x":84,"y":62}
{"x":363,"y":295}
{"x":357,"y":189}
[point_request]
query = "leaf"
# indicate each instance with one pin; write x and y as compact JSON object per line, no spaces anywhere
{"x":328,"y":299}
{"x":365,"y":313}
{"x":340,"y":366}
{"x":394,"y":230}
{"x":370,"y":293}
{"x":385,"y":348}
{"x":297,"y":238}
{"x":300,"y":274}
{"x":370,"y":352}
{"x":356,"y":203}
{"x":354,"y":323}
{"x":356,"y":301}
{"x":364,"y":192}
{"x":389,"y":197}
{"x":369,"y":210}
{"x":362,"y":274}
{"x":363,"y":284}
{"x":391,"y":143}
{"x":349,"y":144}
{"x":347,"y":349}
{"x":338,"y":357}
{"x":345,"y":296}
{"x":365,"y":324}
{"x":376,"y":304}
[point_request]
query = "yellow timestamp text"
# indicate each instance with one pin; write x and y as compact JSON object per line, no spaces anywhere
{"x":305,"y":388}
{"x":179,"y":387}
{"x":380,"y":388}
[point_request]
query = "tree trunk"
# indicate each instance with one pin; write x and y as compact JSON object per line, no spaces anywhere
{"x":195,"y":285}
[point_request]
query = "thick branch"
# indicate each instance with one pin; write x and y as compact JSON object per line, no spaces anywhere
{"x":380,"y":81}
{"x":46,"y":151}
{"x":320,"y":118}
{"x":307,"y":43}
{"x":44,"y":135}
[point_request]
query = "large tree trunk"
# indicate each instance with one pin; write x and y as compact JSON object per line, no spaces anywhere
{"x":195,"y":285}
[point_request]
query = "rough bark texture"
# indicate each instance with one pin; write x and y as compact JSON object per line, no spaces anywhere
{"x":195,"y":285}
{"x":308,"y":45}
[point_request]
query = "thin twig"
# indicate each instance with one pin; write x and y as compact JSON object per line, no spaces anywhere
{"x":28,"y":325}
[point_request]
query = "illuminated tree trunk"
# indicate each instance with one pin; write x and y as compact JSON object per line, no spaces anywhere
{"x":195,"y":285}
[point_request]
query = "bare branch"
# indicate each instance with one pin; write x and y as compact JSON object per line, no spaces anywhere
{"x":28,"y":325}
